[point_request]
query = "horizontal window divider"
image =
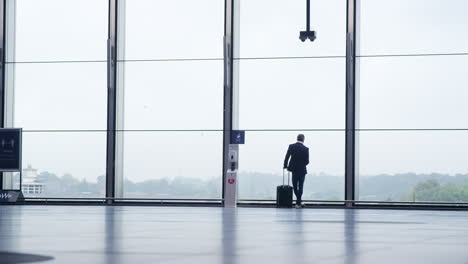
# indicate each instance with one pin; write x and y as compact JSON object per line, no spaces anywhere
{"x":64,"y":130}
{"x":124,"y":130}
{"x":412,"y":55}
{"x":170,"y":130}
{"x":356,"y":202}
{"x":297,"y":129}
{"x":63,"y":199}
{"x":412,"y":129}
{"x":248,"y":130}
{"x":169,"y":60}
{"x":166,"y":199}
{"x":293,"y":58}
{"x":361,"y":202}
{"x":274,"y":201}
{"x":55,"y":62}
{"x":240,"y":58}
{"x":119,"y":199}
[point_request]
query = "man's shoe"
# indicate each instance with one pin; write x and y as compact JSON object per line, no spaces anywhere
{"x":302,"y":205}
{"x":298,"y":206}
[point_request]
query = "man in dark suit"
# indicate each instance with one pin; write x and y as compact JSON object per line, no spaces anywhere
{"x":299,"y":155}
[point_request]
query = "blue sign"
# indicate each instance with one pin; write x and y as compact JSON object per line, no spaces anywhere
{"x":238,"y":137}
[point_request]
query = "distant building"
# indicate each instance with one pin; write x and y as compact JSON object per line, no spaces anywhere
{"x":30,"y":184}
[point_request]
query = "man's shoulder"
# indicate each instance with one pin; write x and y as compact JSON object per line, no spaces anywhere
{"x":298,"y":146}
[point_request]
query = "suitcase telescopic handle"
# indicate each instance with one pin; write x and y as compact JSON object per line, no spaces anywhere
{"x":283,"y":177}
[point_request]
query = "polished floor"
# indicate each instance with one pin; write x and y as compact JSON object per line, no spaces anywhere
{"x":137,"y":235}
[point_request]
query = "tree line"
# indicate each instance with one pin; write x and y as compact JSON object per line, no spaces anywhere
{"x":254,"y":185}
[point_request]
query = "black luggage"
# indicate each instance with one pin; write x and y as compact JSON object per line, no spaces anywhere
{"x":284,"y":195}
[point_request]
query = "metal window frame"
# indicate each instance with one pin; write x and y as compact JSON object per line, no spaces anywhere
{"x":350,"y":141}
{"x":318,"y":204}
{"x":111,"y":100}
{"x":2,"y":70}
{"x":228,"y":41}
{"x":120,"y":103}
{"x":7,"y":72}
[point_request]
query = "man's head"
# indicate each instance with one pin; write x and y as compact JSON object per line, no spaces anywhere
{"x":300,"y":138}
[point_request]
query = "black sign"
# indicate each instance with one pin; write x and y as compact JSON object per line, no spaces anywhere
{"x":10,"y":196}
{"x":10,"y":149}
{"x":238,"y":137}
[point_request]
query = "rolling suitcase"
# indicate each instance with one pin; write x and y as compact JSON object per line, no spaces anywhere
{"x":284,"y":195}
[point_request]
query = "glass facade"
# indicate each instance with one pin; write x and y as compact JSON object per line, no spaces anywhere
{"x":412,"y":116}
{"x":422,"y":27}
{"x":276,"y":95}
{"x":56,"y":85}
{"x":59,"y":30}
{"x":179,"y":29}
{"x":261,"y":161}
{"x":172,"y":89}
{"x":270,"y":28}
{"x":172,"y":64}
{"x":287,"y":87}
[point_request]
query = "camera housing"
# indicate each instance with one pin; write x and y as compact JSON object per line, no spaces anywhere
{"x":308,"y":34}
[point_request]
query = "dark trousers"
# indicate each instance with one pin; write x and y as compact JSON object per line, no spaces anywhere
{"x":298,"y":185}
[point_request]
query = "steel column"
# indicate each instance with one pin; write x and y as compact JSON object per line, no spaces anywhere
{"x":2,"y":69}
{"x":120,"y":93}
{"x":350,"y":169}
{"x":228,"y":82}
{"x":111,"y":100}
{"x":8,"y":47}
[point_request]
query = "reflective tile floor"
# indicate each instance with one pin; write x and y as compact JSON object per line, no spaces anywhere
{"x":99,"y":234}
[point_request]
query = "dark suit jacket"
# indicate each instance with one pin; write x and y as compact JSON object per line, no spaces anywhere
{"x":299,"y":155}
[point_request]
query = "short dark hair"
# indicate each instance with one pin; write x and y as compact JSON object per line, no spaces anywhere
{"x":300,"y":137}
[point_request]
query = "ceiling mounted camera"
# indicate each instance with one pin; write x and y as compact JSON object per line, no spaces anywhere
{"x":308,"y":34}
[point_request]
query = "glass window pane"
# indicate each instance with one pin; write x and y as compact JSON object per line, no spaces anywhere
{"x":174,"y":95}
{"x":173,"y":164}
{"x":413,"y":27}
{"x":60,"y":96}
{"x":395,"y":165}
{"x":292,"y":94}
{"x":65,"y":164}
{"x":270,"y":28}
{"x":158,"y":29}
{"x":63,"y":30}
{"x":261,"y":163}
{"x":413,"y":92}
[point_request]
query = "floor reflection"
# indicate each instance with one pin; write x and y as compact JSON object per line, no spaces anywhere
{"x":10,"y":227}
{"x":10,"y":238}
{"x":113,"y":233}
{"x":351,"y":242}
{"x":229,"y":237}
{"x":300,"y":244}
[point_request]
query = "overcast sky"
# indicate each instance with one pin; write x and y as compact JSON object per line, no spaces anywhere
{"x":296,"y":93}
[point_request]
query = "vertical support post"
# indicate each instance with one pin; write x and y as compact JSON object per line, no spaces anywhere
{"x":228,"y":85}
{"x":350,"y":169}
{"x":2,"y":70}
{"x":120,"y":90}
{"x":7,"y":53}
{"x":111,"y":100}
{"x":308,"y":15}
